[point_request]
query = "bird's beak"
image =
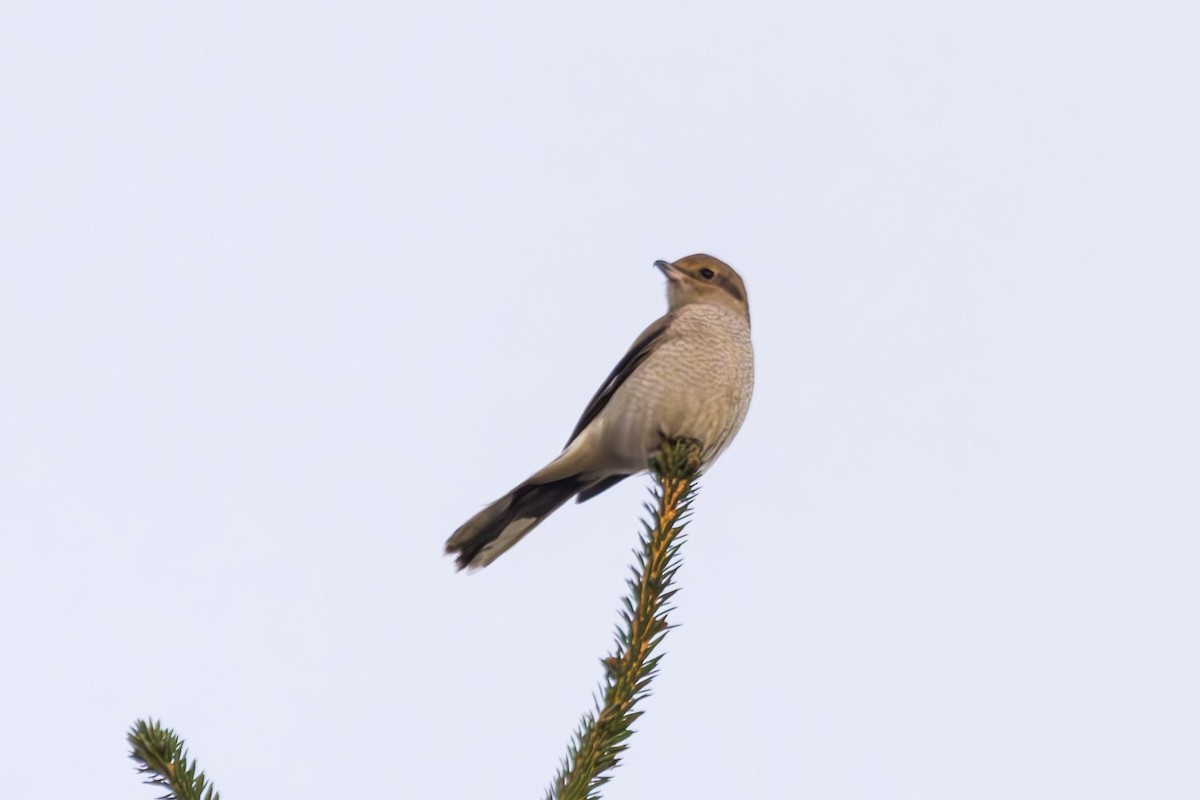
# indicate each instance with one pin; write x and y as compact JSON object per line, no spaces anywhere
{"x":670,"y":270}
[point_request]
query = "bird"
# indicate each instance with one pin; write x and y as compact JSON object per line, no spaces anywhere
{"x":689,"y":375}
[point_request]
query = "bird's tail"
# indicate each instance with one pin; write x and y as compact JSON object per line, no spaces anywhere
{"x":483,"y":537}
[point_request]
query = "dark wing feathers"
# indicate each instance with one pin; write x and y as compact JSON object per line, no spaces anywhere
{"x":598,"y":487}
{"x":639,"y":351}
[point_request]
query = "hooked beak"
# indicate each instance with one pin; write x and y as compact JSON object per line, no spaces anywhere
{"x":670,"y":270}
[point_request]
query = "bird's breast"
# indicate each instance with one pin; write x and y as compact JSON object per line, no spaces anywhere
{"x":697,"y":384}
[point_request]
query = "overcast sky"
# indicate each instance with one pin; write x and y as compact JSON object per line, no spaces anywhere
{"x":289,"y":291}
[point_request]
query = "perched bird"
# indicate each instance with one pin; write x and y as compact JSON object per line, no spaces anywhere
{"x":688,"y":376}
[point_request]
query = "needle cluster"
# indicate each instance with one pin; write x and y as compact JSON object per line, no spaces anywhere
{"x":161,"y":755}
{"x":602,"y":736}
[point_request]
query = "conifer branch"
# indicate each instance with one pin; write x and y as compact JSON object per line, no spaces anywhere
{"x":603,"y":734}
{"x":160,"y":753}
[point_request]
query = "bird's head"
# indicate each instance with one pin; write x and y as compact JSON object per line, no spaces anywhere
{"x":704,"y":279}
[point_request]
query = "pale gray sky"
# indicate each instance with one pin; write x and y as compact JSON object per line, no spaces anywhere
{"x":288,"y":291}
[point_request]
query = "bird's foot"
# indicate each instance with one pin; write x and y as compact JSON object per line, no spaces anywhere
{"x":678,"y":457}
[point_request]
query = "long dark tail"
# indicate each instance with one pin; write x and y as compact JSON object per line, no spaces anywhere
{"x":483,"y":537}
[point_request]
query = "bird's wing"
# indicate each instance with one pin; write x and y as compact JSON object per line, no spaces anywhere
{"x":639,"y":351}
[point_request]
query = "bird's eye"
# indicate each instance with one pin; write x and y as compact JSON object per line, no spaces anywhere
{"x":707,"y":274}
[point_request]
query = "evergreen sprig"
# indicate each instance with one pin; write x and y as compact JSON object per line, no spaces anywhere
{"x":602,"y":736}
{"x":160,"y":753}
